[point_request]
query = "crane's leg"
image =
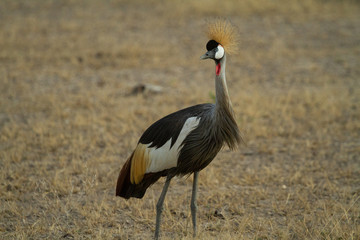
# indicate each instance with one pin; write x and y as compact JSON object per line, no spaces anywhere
{"x":193,"y":205}
{"x":159,"y":206}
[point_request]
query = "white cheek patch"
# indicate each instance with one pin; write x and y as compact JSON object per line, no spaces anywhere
{"x":220,"y":52}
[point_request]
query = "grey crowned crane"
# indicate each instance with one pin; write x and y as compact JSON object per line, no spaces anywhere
{"x":185,"y":141}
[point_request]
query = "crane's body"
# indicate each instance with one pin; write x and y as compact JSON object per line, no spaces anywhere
{"x":183,"y":142}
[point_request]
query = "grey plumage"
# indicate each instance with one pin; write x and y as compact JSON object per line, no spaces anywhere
{"x":217,"y":127}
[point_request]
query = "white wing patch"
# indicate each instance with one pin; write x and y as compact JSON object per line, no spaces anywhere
{"x":165,"y":157}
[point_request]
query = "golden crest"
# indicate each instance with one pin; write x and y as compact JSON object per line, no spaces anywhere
{"x":225,"y":33}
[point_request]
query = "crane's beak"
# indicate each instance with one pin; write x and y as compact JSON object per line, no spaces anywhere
{"x":205,"y":56}
{"x":209,"y":54}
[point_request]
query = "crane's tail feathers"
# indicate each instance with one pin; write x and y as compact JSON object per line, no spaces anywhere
{"x":124,"y":179}
{"x":126,"y":189}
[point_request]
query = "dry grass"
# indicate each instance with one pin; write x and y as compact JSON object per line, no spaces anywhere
{"x":68,"y":123}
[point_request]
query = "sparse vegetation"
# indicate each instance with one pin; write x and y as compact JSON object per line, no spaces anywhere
{"x":68,"y":122}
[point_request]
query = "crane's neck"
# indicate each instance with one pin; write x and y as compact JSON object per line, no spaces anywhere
{"x":222,"y":95}
{"x":224,"y":114}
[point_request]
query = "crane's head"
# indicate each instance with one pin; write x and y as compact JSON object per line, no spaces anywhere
{"x":223,"y":39}
{"x":214,"y":51}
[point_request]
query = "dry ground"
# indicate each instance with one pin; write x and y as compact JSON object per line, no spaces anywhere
{"x":68,"y":121}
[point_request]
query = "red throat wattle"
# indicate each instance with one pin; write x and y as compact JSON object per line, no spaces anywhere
{"x":218,"y":69}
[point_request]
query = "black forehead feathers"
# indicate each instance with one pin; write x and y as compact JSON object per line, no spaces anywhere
{"x":211,"y":45}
